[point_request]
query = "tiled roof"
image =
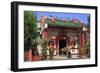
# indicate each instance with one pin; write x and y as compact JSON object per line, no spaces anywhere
{"x":63,"y":23}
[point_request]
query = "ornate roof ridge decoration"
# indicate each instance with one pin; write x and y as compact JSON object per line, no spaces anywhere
{"x":62,"y":22}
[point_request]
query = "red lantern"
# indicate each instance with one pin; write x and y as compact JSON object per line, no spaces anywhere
{"x":54,"y":37}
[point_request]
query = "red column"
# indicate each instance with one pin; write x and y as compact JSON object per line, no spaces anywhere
{"x":56,"y":43}
{"x":83,"y":40}
{"x":83,"y":44}
{"x":46,"y":35}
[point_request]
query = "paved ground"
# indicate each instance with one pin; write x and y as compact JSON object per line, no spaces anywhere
{"x":63,"y":57}
{"x":60,"y":57}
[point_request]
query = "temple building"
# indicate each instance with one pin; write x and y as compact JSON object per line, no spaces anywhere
{"x":63,"y":32}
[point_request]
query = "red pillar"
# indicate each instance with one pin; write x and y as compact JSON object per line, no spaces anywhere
{"x":56,"y":43}
{"x":45,"y":35}
{"x":83,"y":44}
{"x":83,"y":39}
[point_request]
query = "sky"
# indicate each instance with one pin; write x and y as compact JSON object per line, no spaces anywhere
{"x":80,"y":16}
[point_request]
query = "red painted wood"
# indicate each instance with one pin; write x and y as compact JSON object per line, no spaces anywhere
{"x":83,"y":39}
{"x":46,"y":35}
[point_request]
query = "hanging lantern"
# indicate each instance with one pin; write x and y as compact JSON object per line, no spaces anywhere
{"x":54,"y":37}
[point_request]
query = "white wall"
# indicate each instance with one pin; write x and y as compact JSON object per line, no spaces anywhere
{"x":5,"y":17}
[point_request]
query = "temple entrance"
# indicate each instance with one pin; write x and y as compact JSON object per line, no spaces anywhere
{"x":62,"y":44}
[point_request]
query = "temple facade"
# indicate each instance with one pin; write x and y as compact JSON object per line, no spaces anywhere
{"x":63,"y":33}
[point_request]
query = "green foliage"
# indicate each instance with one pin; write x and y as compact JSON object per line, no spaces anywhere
{"x":30,"y":28}
{"x":44,"y":48}
{"x":43,"y":43}
{"x":87,"y":47}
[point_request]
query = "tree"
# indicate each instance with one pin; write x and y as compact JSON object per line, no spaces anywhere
{"x":30,"y":29}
